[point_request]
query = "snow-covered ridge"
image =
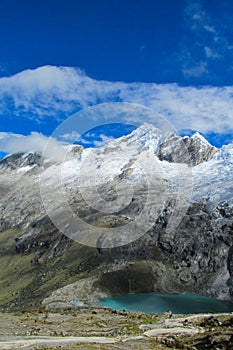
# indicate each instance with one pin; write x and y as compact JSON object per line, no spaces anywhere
{"x":225,"y":153}
{"x":214,"y":179}
{"x":23,"y":161}
{"x":26,"y":168}
{"x":202,"y":139}
{"x":119,"y":158}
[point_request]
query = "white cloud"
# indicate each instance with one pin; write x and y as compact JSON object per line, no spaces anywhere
{"x":196,"y":17}
{"x":71,"y":136}
{"x":57,"y":92}
{"x":209,"y":28}
{"x":196,"y":70}
{"x":35,"y":142}
{"x":49,"y":90}
{"x":210,"y":53}
{"x":103,"y":140}
{"x":207,"y":41}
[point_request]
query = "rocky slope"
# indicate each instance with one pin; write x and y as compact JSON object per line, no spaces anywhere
{"x":94,"y":328}
{"x":188,"y":246}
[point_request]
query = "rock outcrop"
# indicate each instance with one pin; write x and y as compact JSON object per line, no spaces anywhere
{"x":196,"y":256}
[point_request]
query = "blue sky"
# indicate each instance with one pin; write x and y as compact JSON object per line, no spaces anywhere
{"x":174,"y":56}
{"x":188,"y":42}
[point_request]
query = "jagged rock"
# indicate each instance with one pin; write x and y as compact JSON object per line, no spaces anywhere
{"x":197,"y":256}
{"x":191,"y":150}
{"x":20,"y":160}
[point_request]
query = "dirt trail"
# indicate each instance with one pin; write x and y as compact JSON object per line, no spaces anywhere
{"x":53,"y":341}
{"x":109,"y":329}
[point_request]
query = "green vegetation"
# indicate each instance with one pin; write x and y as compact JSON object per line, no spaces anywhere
{"x":16,"y":270}
{"x":214,"y":331}
{"x":24,"y":283}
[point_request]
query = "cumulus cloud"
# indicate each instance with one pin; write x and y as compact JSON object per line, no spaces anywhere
{"x":58,"y":92}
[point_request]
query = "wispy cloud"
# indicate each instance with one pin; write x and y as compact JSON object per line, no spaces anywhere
{"x":71,"y":136}
{"x":57,"y":92}
{"x":206,"y":41}
{"x":196,"y":70}
{"x":49,"y":90}
{"x":209,"y":28}
{"x":210,"y":53}
{"x":103,"y":140}
{"x":3,"y":69}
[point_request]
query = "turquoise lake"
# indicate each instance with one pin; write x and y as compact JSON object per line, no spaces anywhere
{"x":159,"y":303}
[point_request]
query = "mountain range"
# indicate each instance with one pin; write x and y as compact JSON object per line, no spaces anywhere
{"x":145,"y":212}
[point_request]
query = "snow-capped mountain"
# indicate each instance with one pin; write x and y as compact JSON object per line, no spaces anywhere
{"x":175,"y":191}
{"x":213,"y":179}
{"x":144,"y":155}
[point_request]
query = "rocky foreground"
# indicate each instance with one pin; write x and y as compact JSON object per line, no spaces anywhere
{"x":97,"y":328}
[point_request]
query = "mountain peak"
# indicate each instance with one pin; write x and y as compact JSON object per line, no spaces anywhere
{"x":147,"y":135}
{"x":202,"y":139}
{"x":147,"y":127}
{"x":20,"y":160}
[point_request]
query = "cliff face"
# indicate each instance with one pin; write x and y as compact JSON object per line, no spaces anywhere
{"x":195,"y":256}
{"x":192,"y":150}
